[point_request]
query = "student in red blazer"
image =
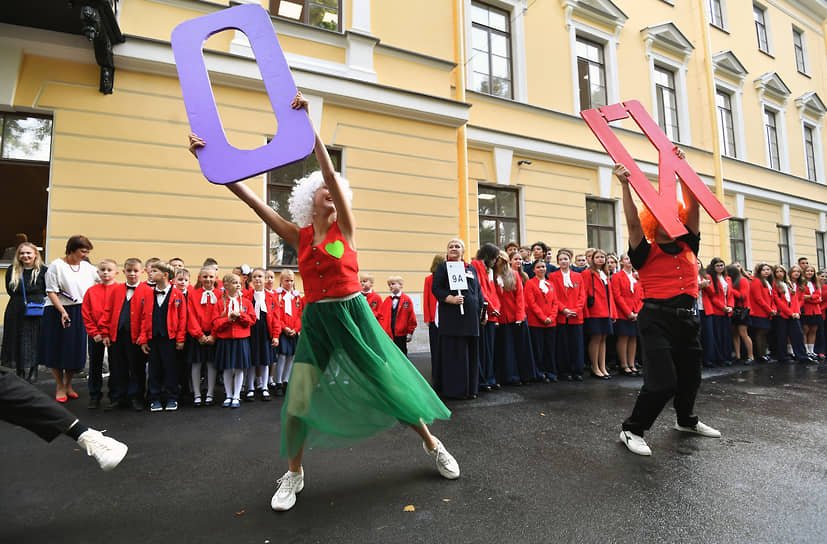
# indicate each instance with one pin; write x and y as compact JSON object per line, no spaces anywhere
{"x":373,"y":298}
{"x":233,"y":316}
{"x":762,"y":308}
{"x":94,"y":303}
{"x":264,"y":336}
{"x":200,"y":310}
{"x":120,"y":328}
{"x":398,"y":318}
{"x":514,"y":358}
{"x":291,"y":304}
{"x":163,"y":331}
{"x":718,"y":300}
{"x":487,"y":259}
{"x":809,"y":288}
{"x":429,"y":307}
{"x":787,"y":323}
{"x":600,"y":314}
{"x":541,"y":307}
{"x":627,"y":293}
{"x":741,"y":287}
{"x":572,"y":298}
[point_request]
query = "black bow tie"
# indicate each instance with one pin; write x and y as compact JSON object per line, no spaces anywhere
{"x":158,"y":292}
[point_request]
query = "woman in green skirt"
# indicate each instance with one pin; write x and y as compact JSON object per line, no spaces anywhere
{"x":349,"y":381}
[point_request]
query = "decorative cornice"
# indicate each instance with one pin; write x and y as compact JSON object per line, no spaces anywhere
{"x":727,"y":64}
{"x":772,"y":86}
{"x":667,"y":37}
{"x":810,"y":104}
{"x":603,"y":12}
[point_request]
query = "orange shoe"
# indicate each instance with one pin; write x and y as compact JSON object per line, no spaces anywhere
{"x":73,"y":395}
{"x":61,"y":399}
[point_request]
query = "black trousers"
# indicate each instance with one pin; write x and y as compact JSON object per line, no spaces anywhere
{"x":95,"y":379}
{"x":402,"y":343}
{"x":25,"y":405}
{"x":127,"y":370}
{"x":673,"y":355}
{"x":163,"y":368}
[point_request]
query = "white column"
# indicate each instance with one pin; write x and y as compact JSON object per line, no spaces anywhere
{"x":10,"y":60}
{"x":360,"y":15}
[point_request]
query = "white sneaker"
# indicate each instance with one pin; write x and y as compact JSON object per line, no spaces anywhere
{"x":701,"y":429}
{"x":285,"y":496}
{"x":445,"y":462}
{"x":107,"y":451}
{"x":635,"y":443}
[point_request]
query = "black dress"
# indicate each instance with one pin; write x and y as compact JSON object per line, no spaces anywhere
{"x":20,"y":333}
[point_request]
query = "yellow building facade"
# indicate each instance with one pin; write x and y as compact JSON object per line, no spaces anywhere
{"x":449,"y":117}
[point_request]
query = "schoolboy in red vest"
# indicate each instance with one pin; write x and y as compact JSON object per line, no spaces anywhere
{"x":94,"y":303}
{"x":120,"y":328}
{"x":669,"y":325}
{"x":163,"y":331}
{"x":373,"y":298}
{"x":397,"y":311}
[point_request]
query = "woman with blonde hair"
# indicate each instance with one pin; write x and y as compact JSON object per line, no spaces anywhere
{"x":514,"y":359}
{"x":25,"y":282}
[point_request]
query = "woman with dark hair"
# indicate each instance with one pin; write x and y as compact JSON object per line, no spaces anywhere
{"x":25,"y":282}
{"x":717,"y":300}
{"x":513,"y":344}
{"x":484,"y":263}
{"x":600,"y":312}
{"x":811,"y":319}
{"x":429,"y":309}
{"x":628,"y":296}
{"x":62,"y":334}
{"x":762,"y":308}
{"x":740,"y":313}
{"x":787,"y":323}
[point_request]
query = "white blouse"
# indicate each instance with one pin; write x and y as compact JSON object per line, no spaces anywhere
{"x":70,"y":282}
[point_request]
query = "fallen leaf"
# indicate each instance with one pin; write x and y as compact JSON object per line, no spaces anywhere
{"x":409,"y":508}
{"x":543,"y":414}
{"x":446,"y":500}
{"x":240,"y":513}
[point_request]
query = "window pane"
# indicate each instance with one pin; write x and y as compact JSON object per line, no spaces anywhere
{"x":479,"y":14}
{"x":736,"y":229}
{"x":479,"y":39}
{"x":487,"y":202}
{"x":607,"y":241}
{"x":499,"y":67}
{"x":279,"y":252}
{"x":488,"y":231}
{"x":509,"y":232}
{"x":27,"y":138}
{"x":499,"y":45}
{"x":479,"y":62}
{"x":324,"y":17}
{"x":592,"y":213}
{"x":606,"y":214}
{"x":290,"y":10}
{"x":507,"y":203}
{"x":501,"y":87}
{"x":498,"y":20}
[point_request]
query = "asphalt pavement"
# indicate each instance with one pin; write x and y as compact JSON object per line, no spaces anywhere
{"x":540,"y":463}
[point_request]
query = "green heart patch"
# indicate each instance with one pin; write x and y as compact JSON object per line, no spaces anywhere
{"x":336,"y":249}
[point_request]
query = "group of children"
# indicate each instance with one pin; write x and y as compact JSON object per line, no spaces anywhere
{"x":161,"y":333}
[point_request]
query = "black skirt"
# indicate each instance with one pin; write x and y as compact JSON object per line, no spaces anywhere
{"x":260,"y":352}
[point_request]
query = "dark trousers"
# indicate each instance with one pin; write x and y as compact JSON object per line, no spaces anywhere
{"x":820,"y":346}
{"x":570,"y":351}
{"x":95,"y":379}
{"x":163,"y":368}
{"x":459,"y":366}
{"x":487,"y":335}
{"x":184,"y":374}
{"x":542,"y":344}
{"x":788,"y":329}
{"x":716,"y":339}
{"x":433,"y":340}
{"x":24,"y":405}
{"x":127,"y":370}
{"x":402,"y":343}
{"x":673,"y":368}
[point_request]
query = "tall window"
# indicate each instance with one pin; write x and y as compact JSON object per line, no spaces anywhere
{"x":822,"y":264}
{"x":499,"y":215}
{"x":716,"y":11}
{"x":491,"y":50}
{"x":723,"y":102}
{"x":738,"y":241}
{"x":771,"y":128}
{"x":600,"y":224}
{"x":760,"y":16}
{"x":784,"y":245}
{"x":279,"y":184}
{"x":798,"y":44}
{"x":25,"y":151}
{"x":667,"y":102}
{"x":591,"y":74}
{"x":810,"y":153}
{"x":325,"y":14}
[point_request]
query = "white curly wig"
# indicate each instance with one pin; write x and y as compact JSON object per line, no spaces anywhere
{"x":300,"y":203}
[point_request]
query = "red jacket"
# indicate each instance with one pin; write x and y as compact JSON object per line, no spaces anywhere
{"x":405,"y":316}
{"x":94,"y":305}
{"x":604,"y":304}
{"x":222,"y":327}
{"x":572,"y":298}
{"x":429,"y":301}
{"x":114,"y":305}
{"x":785,"y":309}
{"x":812,"y":305}
{"x":489,"y":291}
{"x":823,"y":298}
{"x":512,"y":303}
{"x":715,"y":300}
{"x":374,"y":301}
{"x":200,"y":316}
{"x":292,"y":320}
{"x":761,"y":299}
{"x":176,"y":317}
{"x":742,"y":294}
{"x":540,"y":306}
{"x":626,"y":302}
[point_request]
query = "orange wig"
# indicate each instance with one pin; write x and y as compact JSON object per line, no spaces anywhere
{"x":649,"y":224}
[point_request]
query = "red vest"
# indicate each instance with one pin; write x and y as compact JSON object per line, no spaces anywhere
{"x":665,"y":276}
{"x":328,"y":270}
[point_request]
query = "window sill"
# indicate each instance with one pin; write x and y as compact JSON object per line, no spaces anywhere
{"x":722,"y":29}
{"x":770,"y":55}
{"x":805,"y":74}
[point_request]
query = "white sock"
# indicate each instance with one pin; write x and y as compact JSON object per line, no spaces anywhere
{"x":288,"y":366}
{"x":789,"y":349}
{"x":250,"y":378}
{"x":195,"y":377}
{"x":279,"y":368}
{"x":212,"y":374}
{"x":265,"y":376}
{"x":228,"y":382}
{"x":239,"y":379}
{"x":810,"y":348}
{"x":272,"y":372}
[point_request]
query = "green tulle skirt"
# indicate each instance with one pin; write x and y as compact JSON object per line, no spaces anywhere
{"x":350,"y":381}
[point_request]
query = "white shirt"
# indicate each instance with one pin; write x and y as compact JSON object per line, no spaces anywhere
{"x":603,"y":276}
{"x":543,"y":286}
{"x":130,"y":290}
{"x":811,"y":287}
{"x":234,"y":304}
{"x":70,"y":282}
{"x":161,"y":295}
{"x":632,"y":280}
{"x":724,"y":284}
{"x":208,"y":297}
{"x":259,"y":298}
{"x":567,"y":279}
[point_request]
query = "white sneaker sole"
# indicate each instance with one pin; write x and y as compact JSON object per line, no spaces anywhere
{"x":627,"y":443}
{"x":690,"y":430}
{"x":284,"y":507}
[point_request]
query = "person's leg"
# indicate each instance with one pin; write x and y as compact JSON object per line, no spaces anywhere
{"x":170,"y":380}
{"x":238,"y":381}
{"x":622,"y":348}
{"x":601,"y":355}
{"x":576,"y":350}
{"x":631,"y":352}
{"x":60,"y":389}
{"x":24,"y":405}
{"x":195,"y":379}
{"x":744,"y":334}
{"x":156,"y":371}
{"x":797,"y":340}
{"x":95,"y":378}
{"x":594,"y":354}
{"x":67,"y":383}
{"x":212,"y":373}
{"x":228,"y":383}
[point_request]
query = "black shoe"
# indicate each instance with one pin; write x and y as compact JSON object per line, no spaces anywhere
{"x":578,"y":377}
{"x":748,"y":362}
{"x":94,"y":404}
{"x":279,"y":392}
{"x":497,"y":386}
{"x":485,"y":388}
{"x":138,"y":405}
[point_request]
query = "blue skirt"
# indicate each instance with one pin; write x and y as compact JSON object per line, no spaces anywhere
{"x":232,"y":353}
{"x":200,"y":353}
{"x":63,"y":348}
{"x":624,"y":327}
{"x":598,"y":325}
{"x":811,"y":320}
{"x":759,"y":322}
{"x":287,"y":344}
{"x":260,"y":352}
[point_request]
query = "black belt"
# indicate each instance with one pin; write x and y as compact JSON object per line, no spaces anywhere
{"x":674,"y":310}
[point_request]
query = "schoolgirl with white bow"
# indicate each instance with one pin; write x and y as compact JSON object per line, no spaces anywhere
{"x":541,"y":306}
{"x":233,"y":315}
{"x":202,"y":302}
{"x":264,"y":335}
{"x":290,"y":305}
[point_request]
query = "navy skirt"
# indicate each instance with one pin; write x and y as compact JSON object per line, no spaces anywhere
{"x":260,"y":352}
{"x":287,"y":344}
{"x":200,"y":353}
{"x":598,"y":325}
{"x":811,"y":320}
{"x":624,"y":327}
{"x":759,"y":322}
{"x":232,"y":353}
{"x":63,"y":348}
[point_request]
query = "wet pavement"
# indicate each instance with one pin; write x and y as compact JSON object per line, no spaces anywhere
{"x":540,"y":463}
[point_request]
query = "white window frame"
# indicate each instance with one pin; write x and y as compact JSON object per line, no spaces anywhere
{"x":736,"y":94}
{"x":724,"y":20}
{"x":781,"y":134}
{"x":806,"y":70}
{"x":770,"y":46}
{"x":515,"y":9}
{"x":679,"y":70}
{"x":609,"y":43}
{"x":817,"y":147}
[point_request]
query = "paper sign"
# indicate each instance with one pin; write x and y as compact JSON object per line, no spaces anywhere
{"x":662,"y":203}
{"x":220,"y":162}
{"x":457,"y":281}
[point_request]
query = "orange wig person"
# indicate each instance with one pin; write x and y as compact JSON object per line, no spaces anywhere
{"x":650,"y":225}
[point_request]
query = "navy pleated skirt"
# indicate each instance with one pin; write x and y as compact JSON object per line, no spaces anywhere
{"x":598,"y":325}
{"x":760,"y":322}
{"x":63,"y":348}
{"x":812,"y":320}
{"x":200,"y":353}
{"x":232,"y":353}
{"x":287,"y":344}
{"x":624,"y":327}
{"x":260,"y":352}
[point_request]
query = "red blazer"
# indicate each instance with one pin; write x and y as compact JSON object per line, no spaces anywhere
{"x":812,"y":305}
{"x":761,"y":299}
{"x":489,"y":290}
{"x":512,"y":303}
{"x":742,"y":294}
{"x":626,"y":302}
{"x":716,"y":301}
{"x":785,"y":309}
{"x":823,"y":298}
{"x":94,"y":304}
{"x":176,"y":317}
{"x":572,"y":298}
{"x":538,"y":305}
{"x":405,"y":316}
{"x":293,"y":321}
{"x":114,"y":305}
{"x":200,"y":316}
{"x":429,"y":301}
{"x":604,"y":304}
{"x":374,"y":301}
{"x":222,"y":327}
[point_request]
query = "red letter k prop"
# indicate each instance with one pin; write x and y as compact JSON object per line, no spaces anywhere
{"x":662,"y":203}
